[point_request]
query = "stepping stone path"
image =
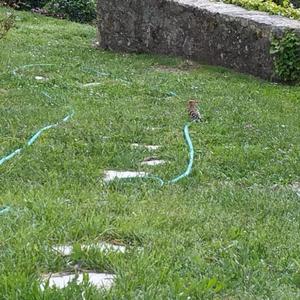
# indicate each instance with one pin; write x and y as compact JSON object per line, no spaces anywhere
{"x":40,"y":78}
{"x":296,"y":188}
{"x":62,"y":280}
{"x":112,"y":175}
{"x":91,"y":84}
{"x":99,"y":280}
{"x":151,"y":161}
{"x":63,"y":250}
{"x":148,"y":147}
{"x":153,"y":128}
{"x":66,"y":250}
{"x":3,"y":91}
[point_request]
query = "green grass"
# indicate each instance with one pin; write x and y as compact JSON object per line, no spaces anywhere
{"x":228,"y":231}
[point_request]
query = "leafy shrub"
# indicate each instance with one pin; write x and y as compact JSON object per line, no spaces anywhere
{"x":276,"y":7}
{"x":76,"y":10}
{"x":6,"y":24}
{"x":25,"y":4}
{"x":83,"y":11}
{"x":286,"y":51}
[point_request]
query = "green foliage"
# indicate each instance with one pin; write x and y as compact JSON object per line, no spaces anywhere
{"x":276,"y":7}
{"x":286,"y":51}
{"x":6,"y":24}
{"x":83,"y":11}
{"x":25,"y":4}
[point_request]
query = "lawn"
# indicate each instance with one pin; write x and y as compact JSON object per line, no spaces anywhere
{"x":228,"y":231}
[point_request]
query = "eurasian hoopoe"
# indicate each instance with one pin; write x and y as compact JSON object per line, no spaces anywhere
{"x":193,"y":111}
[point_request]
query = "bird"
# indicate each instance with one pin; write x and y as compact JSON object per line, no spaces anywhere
{"x":193,"y":111}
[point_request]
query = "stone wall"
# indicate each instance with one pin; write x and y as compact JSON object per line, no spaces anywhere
{"x":209,"y":32}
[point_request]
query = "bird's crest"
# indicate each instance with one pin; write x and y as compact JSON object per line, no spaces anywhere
{"x":192,"y":102}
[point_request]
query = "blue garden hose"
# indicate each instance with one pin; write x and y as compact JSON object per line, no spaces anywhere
{"x":33,"y":139}
{"x":29,"y":66}
{"x":4,"y":210}
{"x":39,"y":132}
{"x":190,"y":164}
{"x":10,"y":156}
{"x":191,"y":155}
